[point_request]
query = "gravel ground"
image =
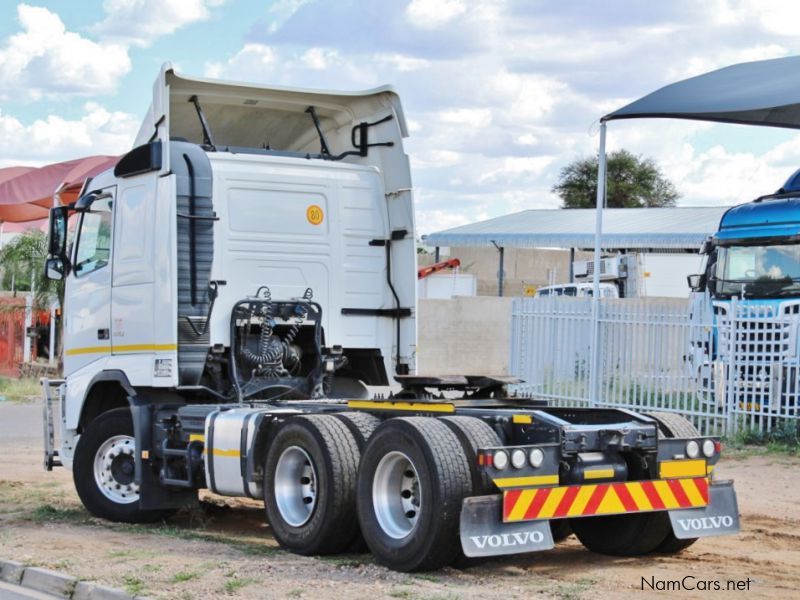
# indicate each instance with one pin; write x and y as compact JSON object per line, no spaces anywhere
{"x":226,"y":550}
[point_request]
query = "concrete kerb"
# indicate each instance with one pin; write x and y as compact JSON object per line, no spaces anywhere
{"x":58,"y":584}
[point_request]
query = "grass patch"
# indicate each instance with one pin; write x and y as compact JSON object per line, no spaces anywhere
{"x":346,"y":561}
{"x":133,"y":585}
{"x":401,"y":593}
{"x":782,"y":439}
{"x":426,"y":577}
{"x":47,"y":513}
{"x":20,"y":390}
{"x":183,"y":576}
{"x":295,"y":593}
{"x":236,"y":583}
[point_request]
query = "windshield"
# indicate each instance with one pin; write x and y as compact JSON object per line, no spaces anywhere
{"x":758,"y":271}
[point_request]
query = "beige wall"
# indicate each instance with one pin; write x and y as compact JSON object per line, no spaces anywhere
{"x":523,"y":266}
{"x":464,"y":336}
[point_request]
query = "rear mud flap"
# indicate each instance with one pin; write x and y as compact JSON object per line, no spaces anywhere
{"x":720,"y":517}
{"x":483,"y":532}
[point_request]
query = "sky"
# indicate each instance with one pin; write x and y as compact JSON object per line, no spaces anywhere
{"x":499,"y":95}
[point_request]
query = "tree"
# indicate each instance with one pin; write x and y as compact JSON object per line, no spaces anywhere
{"x":24,"y":256}
{"x":633,"y":182}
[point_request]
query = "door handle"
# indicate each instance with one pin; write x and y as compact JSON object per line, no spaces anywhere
{"x":103,"y":334}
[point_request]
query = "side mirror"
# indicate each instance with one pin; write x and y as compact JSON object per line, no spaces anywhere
{"x":54,"y":269}
{"x":57,"y":238}
{"x":696,"y":282}
{"x":707,"y":246}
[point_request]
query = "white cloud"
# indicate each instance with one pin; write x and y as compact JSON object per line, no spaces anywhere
{"x":401,"y":62}
{"x":319,"y":58}
{"x":252,"y":58}
{"x":53,"y":138}
{"x":46,"y":59}
{"x":140,"y":22}
{"x":430,"y":14}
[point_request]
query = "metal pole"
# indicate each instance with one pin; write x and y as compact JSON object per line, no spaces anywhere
{"x":571,"y":265}
{"x":52,"y":358}
{"x":500,"y":273}
{"x":26,"y":343}
{"x":436,"y":255}
{"x":595,"y":376}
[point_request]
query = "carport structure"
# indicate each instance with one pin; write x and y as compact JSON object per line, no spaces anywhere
{"x":652,"y":230}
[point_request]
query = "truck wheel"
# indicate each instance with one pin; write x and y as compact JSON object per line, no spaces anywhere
{"x":411,"y":483}
{"x":473,"y":434}
{"x":103,"y":470}
{"x":309,"y":485}
{"x":622,"y":535}
{"x":361,"y":425}
{"x":560,"y":529}
{"x":671,"y":425}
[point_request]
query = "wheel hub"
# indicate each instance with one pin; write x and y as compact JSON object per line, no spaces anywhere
{"x":396,"y":495}
{"x":295,"y":486}
{"x":114,"y":470}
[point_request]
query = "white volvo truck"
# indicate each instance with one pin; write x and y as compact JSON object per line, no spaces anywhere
{"x":232,"y":287}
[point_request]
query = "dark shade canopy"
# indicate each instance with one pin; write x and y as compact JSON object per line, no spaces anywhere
{"x":765,"y":92}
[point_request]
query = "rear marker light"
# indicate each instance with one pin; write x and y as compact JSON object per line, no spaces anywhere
{"x":518,"y":459}
{"x":536,"y":458}
{"x":500,"y":460}
{"x":708,"y":448}
{"x":692,"y":449}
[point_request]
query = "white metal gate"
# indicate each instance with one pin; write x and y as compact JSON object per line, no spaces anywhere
{"x":721,"y":372}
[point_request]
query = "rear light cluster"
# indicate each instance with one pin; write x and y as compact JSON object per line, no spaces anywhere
{"x":708,"y":447}
{"x":501,"y":459}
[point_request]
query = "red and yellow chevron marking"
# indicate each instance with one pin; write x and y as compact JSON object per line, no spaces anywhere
{"x":604,"y":499}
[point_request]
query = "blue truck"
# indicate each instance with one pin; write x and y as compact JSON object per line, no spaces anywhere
{"x":750,"y":292}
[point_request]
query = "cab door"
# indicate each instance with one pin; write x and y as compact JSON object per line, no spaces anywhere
{"x":87,"y":304}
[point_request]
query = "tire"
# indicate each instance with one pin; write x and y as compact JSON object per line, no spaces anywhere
{"x":312,"y":457}
{"x":622,"y":535}
{"x":560,"y":529}
{"x":361,"y":425}
{"x":671,"y":425}
{"x":103,"y":470}
{"x":473,"y":434}
{"x":420,"y":454}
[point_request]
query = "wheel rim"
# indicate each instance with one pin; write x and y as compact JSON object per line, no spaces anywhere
{"x":295,"y":486}
{"x":114,"y":469}
{"x":396,"y":495}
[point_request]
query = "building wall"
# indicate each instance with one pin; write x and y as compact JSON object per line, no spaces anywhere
{"x":464,"y":336}
{"x":523,"y":267}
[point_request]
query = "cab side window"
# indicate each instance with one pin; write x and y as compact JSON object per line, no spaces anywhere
{"x":94,"y":238}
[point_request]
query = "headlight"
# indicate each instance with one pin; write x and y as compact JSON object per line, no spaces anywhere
{"x":692,"y":449}
{"x":518,"y":459}
{"x":536,"y":458}
{"x":708,"y":448}
{"x":500,"y":460}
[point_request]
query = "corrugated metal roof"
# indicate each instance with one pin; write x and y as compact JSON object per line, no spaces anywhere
{"x":681,"y":228}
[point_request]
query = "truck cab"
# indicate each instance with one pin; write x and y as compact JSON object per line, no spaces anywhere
{"x":751,"y":283}
{"x":235,"y":192}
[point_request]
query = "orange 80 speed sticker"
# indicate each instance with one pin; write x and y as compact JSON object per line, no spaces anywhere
{"x":314,"y":214}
